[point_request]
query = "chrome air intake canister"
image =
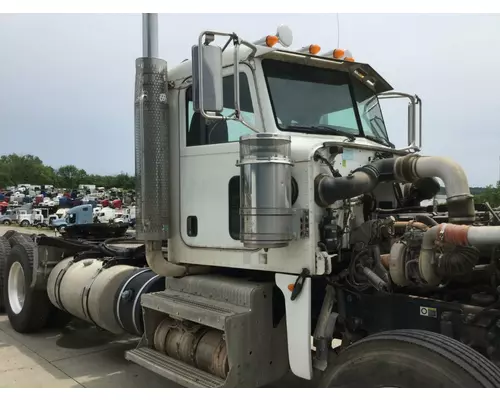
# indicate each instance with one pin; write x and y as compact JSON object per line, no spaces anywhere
{"x":265,"y":190}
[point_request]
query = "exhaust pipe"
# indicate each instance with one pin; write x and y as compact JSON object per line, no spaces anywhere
{"x":458,"y":198}
{"x":363,"y":180}
{"x":411,"y":168}
{"x":152,"y":151}
{"x":458,"y":235}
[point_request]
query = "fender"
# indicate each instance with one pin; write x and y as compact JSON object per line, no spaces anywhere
{"x":298,"y":325}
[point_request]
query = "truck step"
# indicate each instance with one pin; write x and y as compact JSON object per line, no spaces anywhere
{"x":174,"y":370}
{"x":205,"y":311}
{"x":241,"y":310}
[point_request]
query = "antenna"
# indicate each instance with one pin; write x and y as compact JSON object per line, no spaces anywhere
{"x":338,"y":31}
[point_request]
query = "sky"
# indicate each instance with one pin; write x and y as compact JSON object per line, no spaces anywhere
{"x":67,"y":80}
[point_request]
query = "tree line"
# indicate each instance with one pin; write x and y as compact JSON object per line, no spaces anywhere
{"x":28,"y":169}
{"x":490,"y":194}
{"x":18,"y":169}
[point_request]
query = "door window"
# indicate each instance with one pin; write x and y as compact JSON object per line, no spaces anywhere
{"x":202,"y":132}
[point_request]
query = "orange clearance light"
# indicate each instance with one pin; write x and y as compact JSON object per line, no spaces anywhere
{"x":291,"y":286}
{"x":314,"y":49}
{"x":271,"y":40}
{"x":338,"y":53}
{"x":349,"y":59}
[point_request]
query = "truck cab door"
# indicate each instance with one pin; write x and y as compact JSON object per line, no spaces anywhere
{"x":209,"y":176}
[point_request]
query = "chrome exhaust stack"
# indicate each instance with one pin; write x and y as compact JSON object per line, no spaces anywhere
{"x":152,"y":150}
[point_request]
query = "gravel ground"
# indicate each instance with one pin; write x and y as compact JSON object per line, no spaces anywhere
{"x":5,"y":228}
{"x":31,"y":230}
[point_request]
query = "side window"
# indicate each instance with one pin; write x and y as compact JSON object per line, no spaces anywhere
{"x":370,"y":112}
{"x":202,"y":132}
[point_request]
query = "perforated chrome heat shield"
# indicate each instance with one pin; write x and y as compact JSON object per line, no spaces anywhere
{"x":151,"y":149}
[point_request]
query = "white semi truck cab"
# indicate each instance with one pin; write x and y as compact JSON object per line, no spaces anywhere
{"x":273,"y":212}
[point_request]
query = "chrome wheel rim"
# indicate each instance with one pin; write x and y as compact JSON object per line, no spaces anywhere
{"x":16,"y":287}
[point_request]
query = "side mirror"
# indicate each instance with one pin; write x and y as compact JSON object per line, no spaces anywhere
{"x":414,"y":116}
{"x":207,"y":78}
{"x":285,"y":35}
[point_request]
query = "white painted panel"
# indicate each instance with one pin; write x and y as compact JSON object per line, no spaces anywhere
{"x":298,"y":325}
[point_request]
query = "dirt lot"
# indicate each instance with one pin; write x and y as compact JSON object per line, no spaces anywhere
{"x":78,"y":356}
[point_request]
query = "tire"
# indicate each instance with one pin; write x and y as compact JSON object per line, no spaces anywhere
{"x":4,"y":254}
{"x":9,"y":234}
{"x":20,"y":238}
{"x":30,"y":315}
{"x":24,"y":224}
{"x":6,"y":222}
{"x":410,"y":359}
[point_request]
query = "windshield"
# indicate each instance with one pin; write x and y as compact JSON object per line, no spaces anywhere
{"x":324,"y":100}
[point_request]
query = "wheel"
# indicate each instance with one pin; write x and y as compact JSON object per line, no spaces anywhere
{"x":4,"y":254}
{"x":28,"y":310}
{"x":410,"y":359}
{"x":24,"y":224}
{"x":6,"y":222}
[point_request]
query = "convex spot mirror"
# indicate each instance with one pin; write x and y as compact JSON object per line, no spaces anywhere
{"x":284,"y":35}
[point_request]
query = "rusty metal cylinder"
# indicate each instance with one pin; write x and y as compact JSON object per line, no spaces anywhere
{"x":194,"y":344}
{"x":211,"y":353}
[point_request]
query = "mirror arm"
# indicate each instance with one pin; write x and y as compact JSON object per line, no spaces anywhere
{"x":227,"y":43}
{"x":412,"y":148}
{"x":239,"y":117}
{"x":249,"y":126}
{"x":237,"y":77}
{"x":419,"y":102}
{"x":251,"y":47}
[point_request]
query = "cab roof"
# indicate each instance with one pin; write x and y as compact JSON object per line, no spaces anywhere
{"x":364,"y":72}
